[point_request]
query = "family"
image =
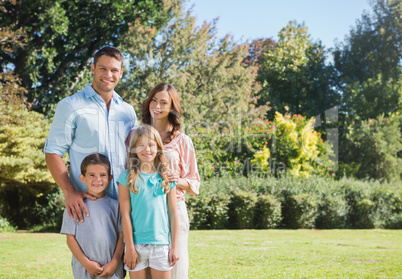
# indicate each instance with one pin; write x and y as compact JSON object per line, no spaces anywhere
{"x":125,"y":187}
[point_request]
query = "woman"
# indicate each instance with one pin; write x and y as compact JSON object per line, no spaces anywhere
{"x":162,"y":111}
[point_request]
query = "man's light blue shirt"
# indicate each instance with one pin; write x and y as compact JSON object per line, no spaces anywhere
{"x":82,"y":125}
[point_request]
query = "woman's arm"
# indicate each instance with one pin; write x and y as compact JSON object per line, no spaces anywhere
{"x":130,"y":257}
{"x":189,"y":177}
{"x":174,"y":227}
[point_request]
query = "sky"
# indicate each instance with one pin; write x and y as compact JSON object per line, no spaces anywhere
{"x":326,"y":20}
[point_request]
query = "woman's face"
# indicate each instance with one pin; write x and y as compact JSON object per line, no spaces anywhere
{"x":160,"y":105}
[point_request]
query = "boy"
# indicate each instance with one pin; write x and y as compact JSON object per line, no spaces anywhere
{"x":96,"y":244}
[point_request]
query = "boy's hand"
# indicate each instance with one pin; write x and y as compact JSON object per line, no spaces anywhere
{"x":94,"y":269}
{"x":131,"y":258}
{"x":75,"y":202}
{"x":173,"y":256}
{"x":108,"y":270}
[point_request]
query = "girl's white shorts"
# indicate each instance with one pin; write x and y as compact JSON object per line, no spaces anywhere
{"x":153,"y":256}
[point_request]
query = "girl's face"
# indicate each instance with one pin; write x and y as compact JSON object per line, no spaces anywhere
{"x":146,"y":150}
{"x":160,"y":105}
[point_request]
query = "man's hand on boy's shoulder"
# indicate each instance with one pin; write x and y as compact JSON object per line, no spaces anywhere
{"x":74,"y":201}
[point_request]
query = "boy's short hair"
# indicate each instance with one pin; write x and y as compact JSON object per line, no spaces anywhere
{"x":109,"y":51}
{"x":95,"y":159}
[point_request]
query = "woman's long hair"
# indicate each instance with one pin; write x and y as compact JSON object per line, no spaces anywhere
{"x":134,"y":164}
{"x":175,"y":111}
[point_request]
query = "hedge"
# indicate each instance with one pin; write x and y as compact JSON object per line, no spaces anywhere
{"x":295,"y":203}
{"x":252,"y":202}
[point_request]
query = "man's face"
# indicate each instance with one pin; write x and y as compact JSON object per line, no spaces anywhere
{"x":107,"y":73}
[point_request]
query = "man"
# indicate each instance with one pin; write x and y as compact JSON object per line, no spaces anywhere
{"x":94,"y":120}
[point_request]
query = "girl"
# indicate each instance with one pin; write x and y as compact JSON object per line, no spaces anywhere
{"x":145,"y":213}
{"x":162,"y":110}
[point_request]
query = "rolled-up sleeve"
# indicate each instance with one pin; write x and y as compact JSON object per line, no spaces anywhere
{"x":189,"y":169}
{"x":61,"y":131}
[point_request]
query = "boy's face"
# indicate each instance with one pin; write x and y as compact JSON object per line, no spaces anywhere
{"x":96,"y":179}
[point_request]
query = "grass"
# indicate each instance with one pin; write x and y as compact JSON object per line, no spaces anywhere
{"x":235,"y":254}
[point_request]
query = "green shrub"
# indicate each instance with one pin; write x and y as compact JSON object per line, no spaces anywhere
{"x":394,"y":222}
{"x":332,"y":212}
{"x":357,"y":195}
{"x":52,"y":213}
{"x":267,"y":214}
{"x":218,"y":215}
{"x":29,"y":206}
{"x":387,"y":203}
{"x":241,"y":209}
{"x":377,"y":145}
{"x":197,"y":211}
{"x":325,"y":203}
{"x":208,"y":211}
{"x":299,"y":211}
{"x":5,"y":226}
{"x":363,"y":213}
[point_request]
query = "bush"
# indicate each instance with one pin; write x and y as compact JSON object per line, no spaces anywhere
{"x":332,"y":212}
{"x":218,"y":217}
{"x":387,"y":207}
{"x":51,"y":214}
{"x":197,"y":211}
{"x":394,"y":222}
{"x":241,"y":209}
{"x":208,"y":212}
{"x":357,"y":196}
{"x":299,"y":211}
{"x":363,"y":214}
{"x":262,"y":202}
{"x":267,"y":213}
{"x":377,"y":145}
{"x":5,"y":226}
{"x":29,"y":206}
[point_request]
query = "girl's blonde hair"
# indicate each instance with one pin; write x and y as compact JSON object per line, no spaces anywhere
{"x":134,"y":164}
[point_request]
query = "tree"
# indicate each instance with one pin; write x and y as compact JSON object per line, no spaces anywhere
{"x":61,"y":38}
{"x":369,"y":73}
{"x":295,"y":76}
{"x":377,"y":144}
{"x":209,"y":74}
{"x":257,"y":50}
{"x":22,"y":132}
{"x":369,"y":63}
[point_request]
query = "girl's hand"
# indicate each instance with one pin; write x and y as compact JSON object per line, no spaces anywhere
{"x":131,"y":258}
{"x":173,"y":256}
{"x":94,"y":269}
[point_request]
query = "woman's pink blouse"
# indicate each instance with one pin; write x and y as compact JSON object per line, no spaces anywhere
{"x":181,"y":157}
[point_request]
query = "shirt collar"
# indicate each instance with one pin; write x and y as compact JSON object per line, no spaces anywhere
{"x":90,"y":92}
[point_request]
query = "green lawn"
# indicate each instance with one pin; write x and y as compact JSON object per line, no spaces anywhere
{"x":235,"y":254}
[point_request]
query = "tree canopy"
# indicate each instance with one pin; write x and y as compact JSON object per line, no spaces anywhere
{"x":295,"y":76}
{"x":209,"y":73}
{"x":61,"y":38}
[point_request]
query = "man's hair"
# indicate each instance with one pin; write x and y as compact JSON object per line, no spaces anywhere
{"x":95,"y":159}
{"x":109,"y":51}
